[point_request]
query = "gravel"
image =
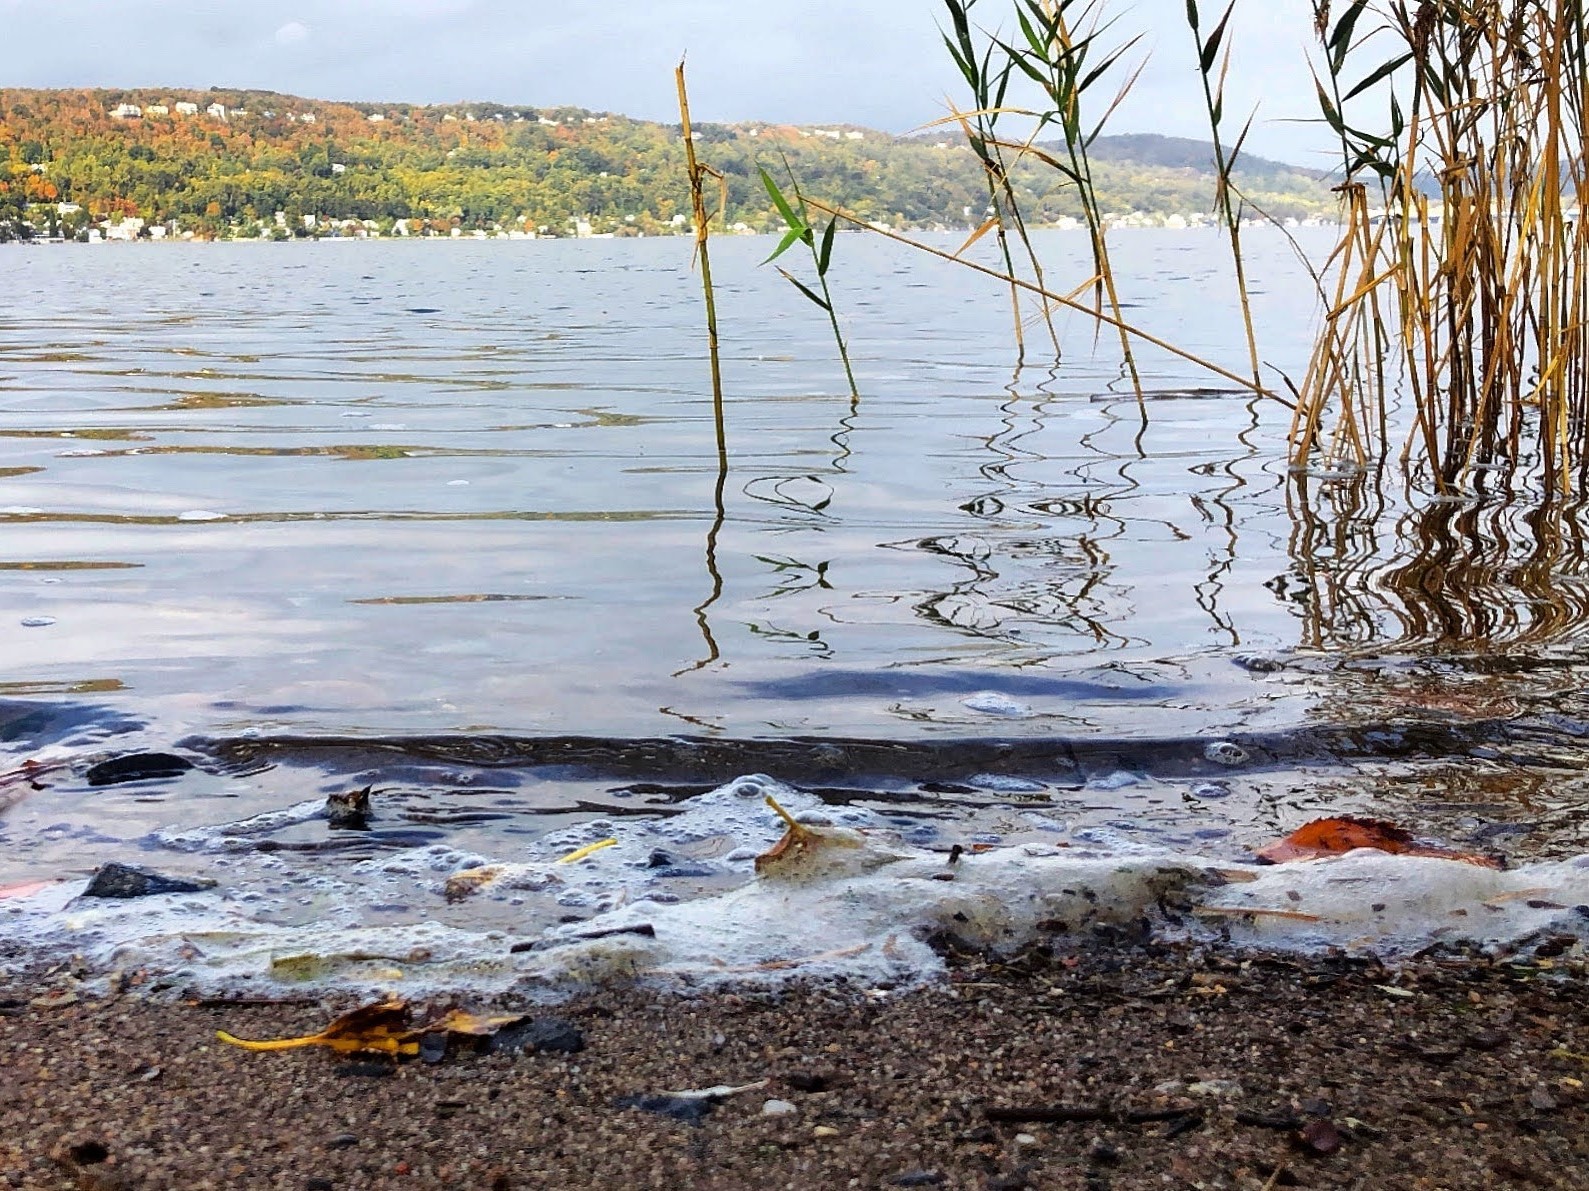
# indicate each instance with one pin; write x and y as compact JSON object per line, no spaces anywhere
{"x":1121,"y":1067}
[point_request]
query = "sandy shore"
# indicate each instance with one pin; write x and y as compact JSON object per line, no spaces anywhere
{"x":1128,"y":1066}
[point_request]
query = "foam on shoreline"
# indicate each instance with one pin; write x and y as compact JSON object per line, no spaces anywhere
{"x":869,"y":913}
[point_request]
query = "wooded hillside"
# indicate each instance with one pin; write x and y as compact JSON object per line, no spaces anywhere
{"x":229,"y":168}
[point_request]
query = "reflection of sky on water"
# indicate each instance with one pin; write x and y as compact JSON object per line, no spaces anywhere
{"x":436,"y":487}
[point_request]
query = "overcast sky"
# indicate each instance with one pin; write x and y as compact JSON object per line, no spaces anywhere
{"x":879,"y":63}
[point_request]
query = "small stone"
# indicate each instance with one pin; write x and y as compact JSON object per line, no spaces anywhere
{"x":806,"y":1081}
{"x":916,"y":1178}
{"x":1101,"y":1152}
{"x":778,"y":1108}
{"x":1320,"y":1136}
{"x":824,"y":1131}
{"x":1219,"y":1088}
{"x":1025,"y":1139}
{"x":316,"y":1183}
{"x":1541,"y":1100}
{"x":550,"y":1035}
{"x":342,"y":1141}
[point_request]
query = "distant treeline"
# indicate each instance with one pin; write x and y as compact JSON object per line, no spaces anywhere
{"x":225,"y":162}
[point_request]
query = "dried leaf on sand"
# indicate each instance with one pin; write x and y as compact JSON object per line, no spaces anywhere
{"x":384,"y":1028}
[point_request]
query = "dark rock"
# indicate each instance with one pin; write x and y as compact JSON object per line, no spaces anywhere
{"x":137,"y":767}
{"x":433,"y":1046}
{"x":916,"y":1178}
{"x":88,"y":1153}
{"x":316,"y":1183}
{"x":342,"y":1141}
{"x":552,"y":1035}
{"x":122,"y":880}
{"x":806,"y":1081}
{"x":1102,"y":1153}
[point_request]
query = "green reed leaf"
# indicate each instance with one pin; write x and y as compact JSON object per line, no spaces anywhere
{"x":806,"y":290}
{"x":790,"y":238}
{"x":1211,"y":47}
{"x":795,"y":223}
{"x":825,"y":253}
{"x":1382,"y":72}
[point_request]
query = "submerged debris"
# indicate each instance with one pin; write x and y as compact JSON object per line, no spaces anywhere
{"x":1344,"y":833}
{"x":137,"y":767}
{"x":350,"y":810}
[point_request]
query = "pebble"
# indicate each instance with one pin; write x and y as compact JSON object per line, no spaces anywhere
{"x":37,"y":622}
{"x":824,"y":1131}
{"x":1221,"y":1088}
{"x":1025,"y":1139}
{"x":778,"y":1108}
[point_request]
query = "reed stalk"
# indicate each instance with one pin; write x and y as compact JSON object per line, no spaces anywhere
{"x":697,"y":174}
{"x":1227,"y":211}
{"x":1464,"y":121}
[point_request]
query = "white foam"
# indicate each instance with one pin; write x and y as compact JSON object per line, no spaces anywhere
{"x":677,"y":898}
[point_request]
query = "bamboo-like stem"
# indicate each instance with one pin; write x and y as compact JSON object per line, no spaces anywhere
{"x":698,"y":174}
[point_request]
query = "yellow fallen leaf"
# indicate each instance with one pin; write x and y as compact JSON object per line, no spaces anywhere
{"x":458,"y":1021}
{"x":381,"y":1028}
{"x":581,"y":853}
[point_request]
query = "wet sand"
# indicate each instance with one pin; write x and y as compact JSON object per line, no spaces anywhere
{"x":1128,"y":1065}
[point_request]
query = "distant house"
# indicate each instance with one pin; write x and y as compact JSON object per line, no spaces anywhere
{"x":338,"y":168}
{"x":187,"y":109}
{"x":307,"y":117}
{"x":450,"y":118}
{"x":216,"y":110}
{"x":158,"y":109}
{"x":127,"y":229}
{"x":375,"y":117}
{"x":126,"y":111}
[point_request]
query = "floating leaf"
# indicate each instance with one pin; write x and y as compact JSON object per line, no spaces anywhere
{"x":1335,"y":836}
{"x":798,"y":850}
{"x":27,"y":888}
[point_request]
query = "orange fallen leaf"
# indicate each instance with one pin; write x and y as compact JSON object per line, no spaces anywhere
{"x":1335,"y":836}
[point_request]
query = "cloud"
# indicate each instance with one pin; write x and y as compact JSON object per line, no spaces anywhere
{"x":291,"y":33}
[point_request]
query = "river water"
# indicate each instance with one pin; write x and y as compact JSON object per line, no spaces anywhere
{"x":450,"y":519}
